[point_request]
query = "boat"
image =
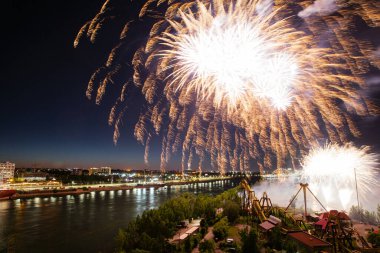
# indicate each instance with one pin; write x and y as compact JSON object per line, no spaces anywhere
{"x":6,"y":193}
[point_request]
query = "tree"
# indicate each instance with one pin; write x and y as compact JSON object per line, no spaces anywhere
{"x":250,"y":241}
{"x":120,"y":240}
{"x":231,"y":210}
{"x":356,"y":213}
{"x":150,"y":230}
{"x":207,"y":246}
{"x":370,"y":217}
{"x":290,"y":247}
{"x":204,"y":227}
{"x":188,"y":245}
{"x":221,"y":228}
{"x":275,"y":238}
{"x":359,"y":213}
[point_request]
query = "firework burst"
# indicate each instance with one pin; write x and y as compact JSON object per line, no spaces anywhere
{"x":231,"y":82}
{"x":234,"y":56}
{"x":333,"y":170}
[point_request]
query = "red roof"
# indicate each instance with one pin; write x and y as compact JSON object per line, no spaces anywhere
{"x":322,"y":222}
{"x":267,"y":225}
{"x":308,"y":240}
{"x":324,"y":216}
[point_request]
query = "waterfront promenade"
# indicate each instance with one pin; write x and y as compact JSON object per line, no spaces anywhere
{"x":25,"y":191}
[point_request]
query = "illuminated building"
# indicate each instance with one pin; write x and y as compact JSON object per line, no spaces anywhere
{"x":7,"y":172}
{"x":100,"y":171}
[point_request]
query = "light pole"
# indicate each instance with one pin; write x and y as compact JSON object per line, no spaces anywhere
{"x":357,"y":194}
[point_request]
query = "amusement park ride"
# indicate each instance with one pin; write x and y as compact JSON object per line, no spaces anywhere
{"x":331,"y":226}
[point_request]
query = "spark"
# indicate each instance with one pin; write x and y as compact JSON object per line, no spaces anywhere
{"x":226,"y":82}
{"x":232,"y":56}
{"x":332,"y":169}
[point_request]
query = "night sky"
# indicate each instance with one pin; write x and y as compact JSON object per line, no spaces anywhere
{"x":46,"y":119}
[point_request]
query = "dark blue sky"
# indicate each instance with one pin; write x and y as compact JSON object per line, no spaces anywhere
{"x":46,"y":120}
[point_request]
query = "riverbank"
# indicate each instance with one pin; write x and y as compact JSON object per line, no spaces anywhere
{"x":63,"y":192}
{"x":86,"y":189}
{"x":84,"y":222}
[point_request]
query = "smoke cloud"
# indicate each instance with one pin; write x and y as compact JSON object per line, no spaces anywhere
{"x":319,"y":7}
{"x":281,"y":191}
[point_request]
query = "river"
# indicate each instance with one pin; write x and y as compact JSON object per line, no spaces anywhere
{"x":84,"y":223}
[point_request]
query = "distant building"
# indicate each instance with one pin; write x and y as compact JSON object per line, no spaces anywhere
{"x":7,"y":172}
{"x":100,"y":171}
{"x":33,"y":176}
{"x":77,"y":171}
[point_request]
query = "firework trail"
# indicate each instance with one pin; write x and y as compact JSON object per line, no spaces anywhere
{"x":232,"y":82}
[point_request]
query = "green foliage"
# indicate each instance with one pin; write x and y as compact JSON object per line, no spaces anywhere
{"x":207,"y":246}
{"x":203,"y":231}
{"x":249,"y":241}
{"x":274,"y":239}
{"x":374,"y":239}
{"x":151,"y":230}
{"x":358,"y":213}
{"x":229,"y":195}
{"x":221,"y":228}
{"x":203,"y":223}
{"x":120,"y":240}
{"x":231,"y":210}
{"x":188,"y":245}
{"x":66,"y":178}
{"x":204,"y":206}
{"x":290,"y":246}
{"x":195,"y":240}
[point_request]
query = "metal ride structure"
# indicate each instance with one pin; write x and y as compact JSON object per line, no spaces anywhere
{"x":251,"y":203}
{"x":262,"y":208}
{"x":333,"y":226}
{"x":336,"y":228}
{"x":305,"y":187}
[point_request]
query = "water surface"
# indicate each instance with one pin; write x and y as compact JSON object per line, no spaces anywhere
{"x":84,"y":223}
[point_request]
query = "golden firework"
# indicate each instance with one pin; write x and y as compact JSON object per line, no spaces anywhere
{"x":231,"y":82}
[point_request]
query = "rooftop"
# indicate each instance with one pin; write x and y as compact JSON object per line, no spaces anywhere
{"x":266,"y":225}
{"x":308,"y":240}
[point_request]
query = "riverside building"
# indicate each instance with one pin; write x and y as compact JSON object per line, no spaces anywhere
{"x":106,"y":171}
{"x":7,"y":172}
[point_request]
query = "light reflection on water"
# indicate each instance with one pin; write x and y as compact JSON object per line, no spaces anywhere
{"x":83,"y":223}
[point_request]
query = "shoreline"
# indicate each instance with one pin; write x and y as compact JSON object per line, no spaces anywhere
{"x":70,"y":190}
